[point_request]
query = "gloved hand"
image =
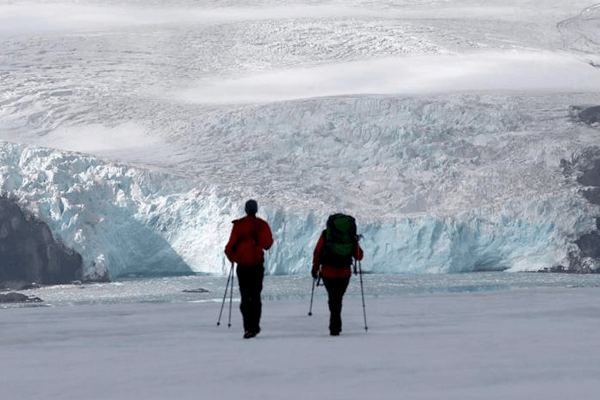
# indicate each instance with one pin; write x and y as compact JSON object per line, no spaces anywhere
{"x":315,"y":273}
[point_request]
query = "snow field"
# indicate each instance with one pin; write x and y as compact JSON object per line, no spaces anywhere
{"x":521,"y":344}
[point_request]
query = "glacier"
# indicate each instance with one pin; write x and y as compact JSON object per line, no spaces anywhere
{"x":459,"y":147}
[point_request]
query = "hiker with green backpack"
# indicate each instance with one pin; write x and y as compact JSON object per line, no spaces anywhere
{"x":332,"y":262}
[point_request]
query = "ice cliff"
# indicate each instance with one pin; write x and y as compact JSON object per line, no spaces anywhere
{"x":131,"y":221}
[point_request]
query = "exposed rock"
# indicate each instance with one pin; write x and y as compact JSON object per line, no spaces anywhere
{"x":29,"y":253}
{"x":585,"y":165}
{"x":578,"y":264}
{"x":199,"y":290}
{"x":14,"y":297}
{"x":590,"y":115}
{"x":591,"y":176}
{"x":589,"y":245}
{"x":592,"y":195}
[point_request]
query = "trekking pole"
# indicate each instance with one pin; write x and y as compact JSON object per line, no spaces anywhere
{"x":231,"y":296}
{"x":225,"y":294}
{"x":312,"y":294}
{"x":362,"y":293}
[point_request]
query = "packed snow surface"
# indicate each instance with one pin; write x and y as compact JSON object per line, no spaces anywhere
{"x":137,"y":129}
{"x":538,"y":343}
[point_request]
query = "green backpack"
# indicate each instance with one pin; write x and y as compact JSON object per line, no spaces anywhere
{"x":340,"y":239}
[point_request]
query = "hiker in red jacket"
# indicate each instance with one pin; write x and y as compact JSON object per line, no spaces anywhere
{"x":249,"y":238}
{"x":336,"y":277}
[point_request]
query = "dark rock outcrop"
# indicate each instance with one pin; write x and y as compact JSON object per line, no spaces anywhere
{"x":586,"y":167}
{"x":589,"y":244}
{"x":199,"y":290}
{"x":29,"y":253}
{"x":590,"y":115}
{"x":592,"y":195}
{"x":591,"y":176}
{"x":14,"y":297}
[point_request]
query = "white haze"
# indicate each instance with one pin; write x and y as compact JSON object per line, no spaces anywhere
{"x":482,"y":71}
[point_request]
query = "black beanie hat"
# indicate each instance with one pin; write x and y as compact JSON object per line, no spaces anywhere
{"x":251,"y":207}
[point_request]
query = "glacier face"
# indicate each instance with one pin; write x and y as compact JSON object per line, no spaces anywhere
{"x":444,"y":133}
{"x":122,"y":220}
{"x":131,"y":221}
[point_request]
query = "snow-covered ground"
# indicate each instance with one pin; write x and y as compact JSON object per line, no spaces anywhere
{"x":519,"y":344}
{"x":137,"y":129}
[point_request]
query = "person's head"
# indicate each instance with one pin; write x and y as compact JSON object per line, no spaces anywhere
{"x":251,"y":207}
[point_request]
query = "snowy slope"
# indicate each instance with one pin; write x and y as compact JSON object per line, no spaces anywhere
{"x":137,"y":131}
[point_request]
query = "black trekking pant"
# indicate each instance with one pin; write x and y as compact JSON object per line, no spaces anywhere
{"x":336,"y":287}
{"x":250,"y":279}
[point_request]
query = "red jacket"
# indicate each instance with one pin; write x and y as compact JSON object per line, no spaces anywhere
{"x":249,"y":238}
{"x":330,"y":271}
